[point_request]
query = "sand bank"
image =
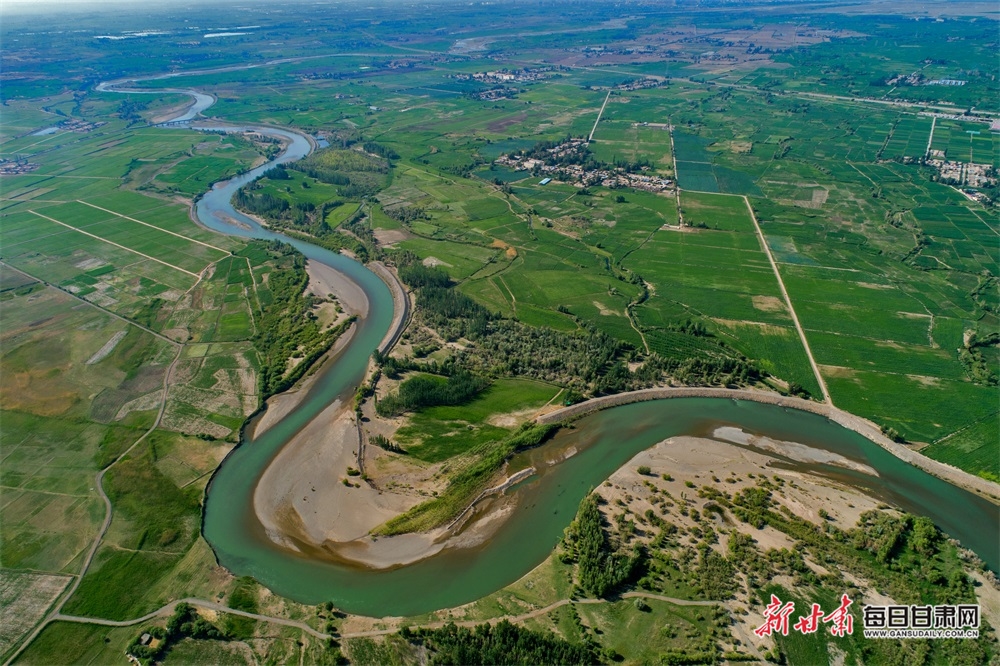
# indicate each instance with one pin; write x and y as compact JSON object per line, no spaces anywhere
{"x":863,"y":427}
{"x":324,"y":281}
{"x":304,"y":504}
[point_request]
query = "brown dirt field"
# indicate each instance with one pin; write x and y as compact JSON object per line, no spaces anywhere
{"x":387,"y":237}
{"x":768,"y":303}
{"x":37,"y":392}
{"x":501,"y":125}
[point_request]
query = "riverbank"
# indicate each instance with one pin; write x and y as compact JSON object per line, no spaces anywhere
{"x":401,"y":305}
{"x":324,"y":282}
{"x":309,"y":501}
{"x":863,"y":427}
{"x":306,"y":506}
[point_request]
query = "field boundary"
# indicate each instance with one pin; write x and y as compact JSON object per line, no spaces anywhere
{"x":788,"y":302}
{"x":105,"y":240}
{"x":108,"y":515}
{"x":153,"y":226}
{"x":84,"y":300}
{"x":599,"y":114}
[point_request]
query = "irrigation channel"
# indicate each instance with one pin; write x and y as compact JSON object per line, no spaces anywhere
{"x":576,"y":460}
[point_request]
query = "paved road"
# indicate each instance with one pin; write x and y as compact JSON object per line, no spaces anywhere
{"x":601,"y":113}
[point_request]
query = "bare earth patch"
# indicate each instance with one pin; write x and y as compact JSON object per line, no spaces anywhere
{"x":24,"y":599}
{"x":388,"y":237}
{"x":768,"y":303}
{"x":431,"y":262}
{"x":603,"y":309}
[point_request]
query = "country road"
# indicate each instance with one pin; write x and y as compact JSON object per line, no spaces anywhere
{"x":788,"y":302}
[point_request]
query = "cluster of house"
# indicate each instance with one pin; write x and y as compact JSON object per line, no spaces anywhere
{"x":962,"y":173}
{"x":493,"y":94}
{"x":642,"y":84}
{"x":636,"y":84}
{"x":15,"y":167}
{"x":77,"y":125}
{"x":917,"y":79}
{"x":507,"y":75}
{"x":582,"y":175}
{"x":914,"y":79}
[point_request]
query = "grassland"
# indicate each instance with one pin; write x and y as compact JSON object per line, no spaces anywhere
{"x":438,"y":433}
{"x":117,"y":283}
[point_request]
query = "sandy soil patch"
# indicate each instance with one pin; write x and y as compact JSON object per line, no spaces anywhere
{"x":324,"y":281}
{"x":389,"y":237}
{"x":792,"y":450}
{"x":431,"y":262}
{"x":768,"y":303}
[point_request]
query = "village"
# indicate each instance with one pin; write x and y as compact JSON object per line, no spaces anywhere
{"x":555,"y":167}
{"x":507,"y":75}
{"x":962,"y":173}
{"x":16,"y":167}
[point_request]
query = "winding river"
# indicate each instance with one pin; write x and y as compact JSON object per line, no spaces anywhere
{"x":544,"y":504}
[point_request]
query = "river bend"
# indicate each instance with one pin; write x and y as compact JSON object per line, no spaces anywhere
{"x":544,"y":504}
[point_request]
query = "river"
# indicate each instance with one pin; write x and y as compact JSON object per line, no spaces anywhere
{"x":543,"y":505}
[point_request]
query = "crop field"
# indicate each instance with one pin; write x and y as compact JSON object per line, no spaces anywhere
{"x":705,"y":272}
{"x":909,"y":138}
{"x":971,"y":448}
{"x":699,"y":169}
{"x":967,"y":142}
{"x":618,"y":140}
{"x":24,"y":599}
{"x":66,"y":377}
{"x":153,"y":544}
{"x":91,"y":644}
